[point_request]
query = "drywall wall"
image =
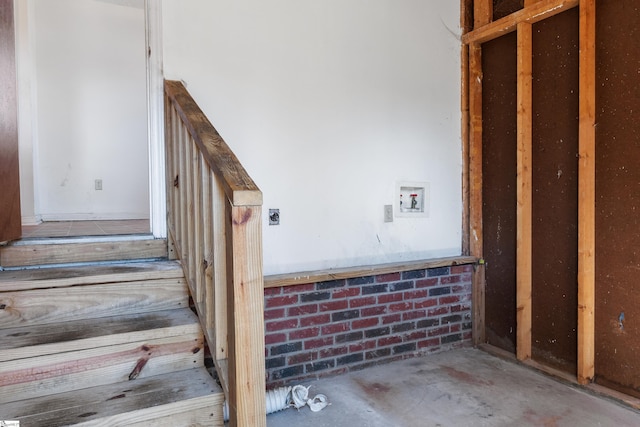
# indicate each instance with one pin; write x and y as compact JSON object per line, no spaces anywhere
{"x":87,"y":110}
{"x":329,"y":104}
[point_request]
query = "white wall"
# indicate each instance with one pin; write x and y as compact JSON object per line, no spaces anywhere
{"x":89,"y":109}
{"x":329,"y":104}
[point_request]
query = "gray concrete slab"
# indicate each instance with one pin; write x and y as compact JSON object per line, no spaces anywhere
{"x":465,"y":387}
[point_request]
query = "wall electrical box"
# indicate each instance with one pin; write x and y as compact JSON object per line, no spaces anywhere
{"x":412,"y":199}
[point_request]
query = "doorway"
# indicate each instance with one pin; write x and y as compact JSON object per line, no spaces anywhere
{"x":84,"y":142}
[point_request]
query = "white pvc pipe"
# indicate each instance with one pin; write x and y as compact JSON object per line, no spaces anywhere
{"x":285,"y":397}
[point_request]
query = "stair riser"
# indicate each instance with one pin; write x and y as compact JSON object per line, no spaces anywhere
{"x":59,"y":373}
{"x":44,"y":278}
{"x":43,"y":306}
{"x":33,"y":350}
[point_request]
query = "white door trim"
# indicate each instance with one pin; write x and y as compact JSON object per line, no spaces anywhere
{"x":155,"y":118}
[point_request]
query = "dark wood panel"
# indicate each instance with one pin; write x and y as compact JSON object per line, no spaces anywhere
{"x":499,"y":90}
{"x":618,"y":195}
{"x":10,"y":221}
{"x":555,"y":191}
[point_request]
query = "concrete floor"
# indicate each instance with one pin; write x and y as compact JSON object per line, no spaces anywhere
{"x":464,"y":387}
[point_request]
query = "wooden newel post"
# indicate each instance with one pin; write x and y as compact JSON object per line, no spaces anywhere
{"x":246,"y":320}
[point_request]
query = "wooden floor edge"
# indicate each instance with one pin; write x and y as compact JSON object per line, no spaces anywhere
{"x":301,"y":278}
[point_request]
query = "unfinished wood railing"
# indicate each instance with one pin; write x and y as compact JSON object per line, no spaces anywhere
{"x":214,"y":217}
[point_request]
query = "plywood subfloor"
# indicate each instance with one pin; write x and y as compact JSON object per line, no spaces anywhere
{"x":463,"y":387}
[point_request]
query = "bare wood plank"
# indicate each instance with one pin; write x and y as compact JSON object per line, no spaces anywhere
{"x":65,"y":337}
{"x":482,"y":12}
{"x":534,"y":13}
{"x":246,"y":318}
{"x":175,"y":184}
{"x":198,"y":230}
{"x":15,"y":280}
{"x":217,"y":310}
{"x":179,"y":398}
{"x":464,"y":86}
{"x":43,"y":306}
{"x":41,"y":254}
{"x":587,"y":194}
{"x":59,"y":373}
{"x":238,"y":185}
{"x":183,"y":138}
{"x":524,"y":195}
{"x":301,"y":278}
{"x":475,"y":189}
{"x":190,"y":272}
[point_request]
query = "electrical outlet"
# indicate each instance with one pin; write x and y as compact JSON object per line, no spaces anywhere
{"x":388,"y":213}
{"x":274,"y":216}
{"x":98,"y":184}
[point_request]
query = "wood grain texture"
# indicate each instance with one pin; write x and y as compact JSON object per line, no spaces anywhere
{"x":41,"y":340}
{"x":10,"y":216}
{"x":42,"y":306}
{"x":189,"y":397}
{"x":524,"y":196}
{"x":238,"y":185}
{"x":43,"y":254}
{"x":300,"y":278}
{"x":587,"y":193}
{"x":246,"y":319}
{"x":531,"y":14}
{"x":63,"y":372}
{"x":482,"y":12}
{"x":475,"y":191}
{"x":16,"y":280}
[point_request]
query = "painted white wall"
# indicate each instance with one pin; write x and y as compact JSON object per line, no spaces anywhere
{"x":90,"y":109}
{"x":329,"y":104}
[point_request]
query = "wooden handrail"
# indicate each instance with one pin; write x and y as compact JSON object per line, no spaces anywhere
{"x":214,"y":218}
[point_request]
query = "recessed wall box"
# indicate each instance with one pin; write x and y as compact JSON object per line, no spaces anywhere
{"x":412,"y":200}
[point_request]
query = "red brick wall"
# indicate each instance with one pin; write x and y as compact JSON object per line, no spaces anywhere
{"x":331,"y":327}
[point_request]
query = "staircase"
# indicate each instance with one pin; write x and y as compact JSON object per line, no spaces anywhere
{"x":97,"y":344}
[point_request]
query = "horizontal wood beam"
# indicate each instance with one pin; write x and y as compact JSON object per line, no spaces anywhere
{"x":302,"y":278}
{"x":531,"y":14}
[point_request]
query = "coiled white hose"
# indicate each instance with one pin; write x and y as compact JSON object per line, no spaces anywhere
{"x":285,"y":397}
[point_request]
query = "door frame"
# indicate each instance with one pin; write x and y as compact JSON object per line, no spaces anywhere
{"x":155,"y":119}
{"x":155,"y":111}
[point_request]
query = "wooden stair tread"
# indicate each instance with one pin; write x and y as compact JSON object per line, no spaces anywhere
{"x":39,"y":340}
{"x":189,"y":397}
{"x":14,"y":280}
{"x":21,"y":254}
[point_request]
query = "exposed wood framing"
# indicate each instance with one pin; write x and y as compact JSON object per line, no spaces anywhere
{"x":482,"y":12}
{"x":475,"y":188}
{"x":219,"y":257}
{"x":464,"y":102}
{"x":531,"y":14}
{"x":586,"y":194}
{"x":524,"y":196}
